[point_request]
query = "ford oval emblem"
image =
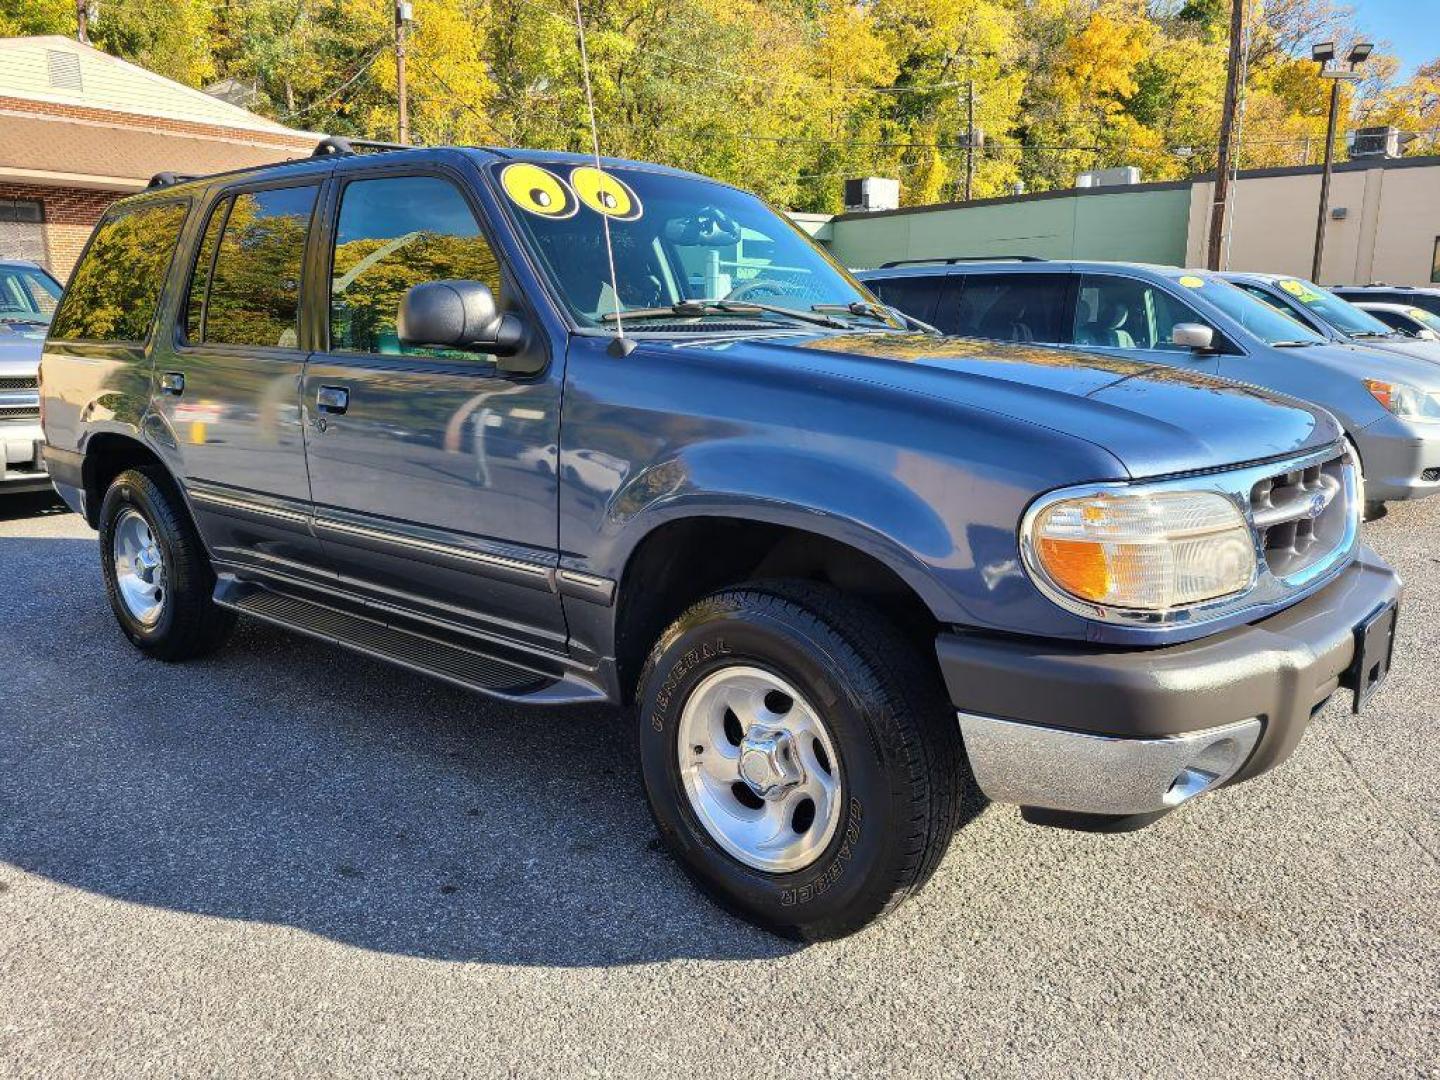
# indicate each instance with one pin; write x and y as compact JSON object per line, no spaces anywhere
{"x":1318,"y":502}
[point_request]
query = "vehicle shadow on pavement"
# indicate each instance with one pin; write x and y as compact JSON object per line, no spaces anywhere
{"x":288,"y":782}
{"x":31,"y":504}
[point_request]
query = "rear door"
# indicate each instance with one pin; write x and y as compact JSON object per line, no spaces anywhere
{"x":1130,"y":317}
{"x":434,"y":472}
{"x":1023,"y":307}
{"x":229,"y":387}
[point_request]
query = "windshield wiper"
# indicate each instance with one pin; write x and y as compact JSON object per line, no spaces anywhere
{"x":1294,"y":344}
{"x":22,"y":321}
{"x":696,"y":308}
{"x":1371,"y":334}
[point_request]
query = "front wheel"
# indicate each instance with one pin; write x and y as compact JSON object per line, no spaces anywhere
{"x":157,"y":573}
{"x":800,"y":760}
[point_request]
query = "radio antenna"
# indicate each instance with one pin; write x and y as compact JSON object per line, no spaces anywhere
{"x":621,"y":345}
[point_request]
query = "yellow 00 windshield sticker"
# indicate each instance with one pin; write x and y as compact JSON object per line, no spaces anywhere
{"x":538,"y":190}
{"x":1190,"y":281}
{"x":1294,"y":288}
{"x":605,"y":193}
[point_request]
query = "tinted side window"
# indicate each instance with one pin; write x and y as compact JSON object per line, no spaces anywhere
{"x":200,"y":273}
{"x":1007,"y":307}
{"x":392,"y":234}
{"x":915,"y":296}
{"x":114,"y":291}
{"x":255,"y":286}
{"x":1121,"y":313}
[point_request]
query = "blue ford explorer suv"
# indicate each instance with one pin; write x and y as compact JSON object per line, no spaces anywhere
{"x":845,"y":571}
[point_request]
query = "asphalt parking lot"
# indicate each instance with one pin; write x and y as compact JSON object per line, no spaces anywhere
{"x":287,"y":859}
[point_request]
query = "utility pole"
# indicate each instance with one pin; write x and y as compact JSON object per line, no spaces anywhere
{"x":1227,"y":126}
{"x":969,"y":136}
{"x":82,"y":21}
{"x":404,"y":13}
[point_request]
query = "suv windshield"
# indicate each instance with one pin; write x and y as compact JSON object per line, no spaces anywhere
{"x":675,"y":239}
{"x":1256,"y":316}
{"x":1328,"y":307}
{"x":27,"y":295}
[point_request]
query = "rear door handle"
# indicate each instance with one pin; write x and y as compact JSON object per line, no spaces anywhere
{"x":172,"y":382}
{"x":332,"y":399}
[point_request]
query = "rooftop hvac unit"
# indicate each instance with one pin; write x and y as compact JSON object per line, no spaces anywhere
{"x":872,"y":193}
{"x":1116,"y":177}
{"x":1378,"y":142}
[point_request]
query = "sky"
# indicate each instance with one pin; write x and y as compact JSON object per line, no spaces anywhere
{"x":1412,"y":27}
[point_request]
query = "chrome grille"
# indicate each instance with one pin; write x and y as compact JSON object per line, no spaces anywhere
{"x":1302,"y":517}
{"x":19,"y":412}
{"x":23,"y":382}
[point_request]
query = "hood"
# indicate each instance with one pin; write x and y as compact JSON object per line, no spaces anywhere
{"x":20,"y":348}
{"x":1154,"y":419}
{"x":1402,"y":346}
{"x":1376,"y":361}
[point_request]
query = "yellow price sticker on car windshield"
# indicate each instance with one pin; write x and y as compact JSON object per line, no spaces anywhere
{"x":605,"y":193}
{"x":1190,"y":281}
{"x":1294,"y":288}
{"x":538,"y":190}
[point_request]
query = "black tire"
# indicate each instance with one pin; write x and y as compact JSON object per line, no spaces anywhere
{"x":190,"y":623}
{"x":1374,"y":511}
{"x":904,"y":778}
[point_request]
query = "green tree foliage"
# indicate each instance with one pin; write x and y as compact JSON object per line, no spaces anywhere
{"x":788,"y":97}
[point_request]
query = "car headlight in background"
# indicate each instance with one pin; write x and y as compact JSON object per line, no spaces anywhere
{"x":1146,"y":551}
{"x":1404,"y":400}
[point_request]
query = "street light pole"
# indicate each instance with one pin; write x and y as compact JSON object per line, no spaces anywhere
{"x":1325,"y":181}
{"x":1324,"y":55}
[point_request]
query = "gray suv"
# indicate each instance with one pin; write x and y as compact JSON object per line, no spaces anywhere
{"x":1193,"y":320}
{"x":843,"y":572}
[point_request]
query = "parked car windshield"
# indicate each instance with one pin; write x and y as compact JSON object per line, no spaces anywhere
{"x":27,"y":295}
{"x":675,"y":239}
{"x":1256,"y":316}
{"x":1427,"y":319}
{"x":1328,"y":307}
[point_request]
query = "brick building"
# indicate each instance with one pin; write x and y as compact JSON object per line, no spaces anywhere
{"x":79,"y":128}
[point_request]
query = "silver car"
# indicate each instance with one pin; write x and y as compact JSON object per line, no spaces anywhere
{"x":1328,"y":314}
{"x":1195,"y":320}
{"x":1415,"y":323}
{"x":28,"y":296}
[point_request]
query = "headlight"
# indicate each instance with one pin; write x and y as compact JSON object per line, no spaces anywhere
{"x":1143,"y":551}
{"x":1404,"y":400}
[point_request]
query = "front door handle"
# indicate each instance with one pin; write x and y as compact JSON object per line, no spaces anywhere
{"x":332,"y":399}
{"x":172,"y":382}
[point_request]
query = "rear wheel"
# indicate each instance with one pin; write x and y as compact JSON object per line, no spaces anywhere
{"x":800,"y":760}
{"x":157,"y":574}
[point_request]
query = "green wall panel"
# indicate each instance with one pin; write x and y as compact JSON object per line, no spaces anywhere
{"x":1128,"y":226}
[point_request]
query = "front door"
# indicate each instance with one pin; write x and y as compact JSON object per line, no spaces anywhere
{"x":1124,"y":316}
{"x":229,"y":389}
{"x":433,"y":472}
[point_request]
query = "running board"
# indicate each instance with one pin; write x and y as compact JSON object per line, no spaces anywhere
{"x":463,"y":667}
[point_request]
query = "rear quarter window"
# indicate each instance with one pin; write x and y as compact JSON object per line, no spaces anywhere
{"x":113,"y":293}
{"x":917,"y":297}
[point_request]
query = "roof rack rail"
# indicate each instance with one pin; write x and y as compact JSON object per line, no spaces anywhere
{"x":333,"y":145}
{"x":166,"y":179}
{"x":962,"y":259}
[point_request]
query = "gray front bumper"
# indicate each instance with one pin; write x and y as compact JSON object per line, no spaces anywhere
{"x":1098,"y":774}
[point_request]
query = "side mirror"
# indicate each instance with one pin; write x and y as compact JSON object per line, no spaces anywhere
{"x":458,"y":315}
{"x":1192,"y":335}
